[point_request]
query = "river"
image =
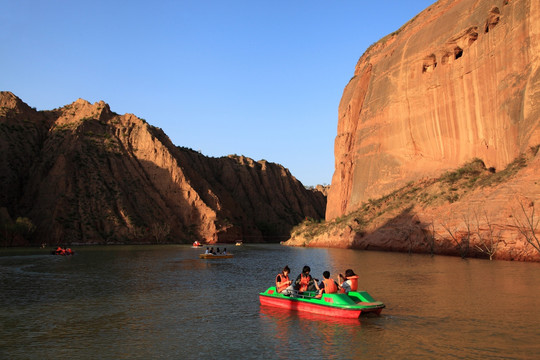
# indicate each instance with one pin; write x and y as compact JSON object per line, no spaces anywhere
{"x":148,"y":302}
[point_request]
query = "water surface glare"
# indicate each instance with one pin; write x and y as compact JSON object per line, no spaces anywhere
{"x":143,"y":302}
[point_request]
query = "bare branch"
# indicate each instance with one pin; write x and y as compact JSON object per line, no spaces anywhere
{"x":429,"y":237}
{"x":461,"y":244}
{"x":488,"y":240}
{"x":160,"y":231}
{"x":528,"y":225}
{"x":466,"y":240}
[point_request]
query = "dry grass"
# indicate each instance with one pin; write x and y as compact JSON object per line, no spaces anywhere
{"x":450,"y":187}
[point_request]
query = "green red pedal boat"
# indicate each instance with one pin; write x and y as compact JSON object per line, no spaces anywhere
{"x":217,"y":256}
{"x":350,"y":305}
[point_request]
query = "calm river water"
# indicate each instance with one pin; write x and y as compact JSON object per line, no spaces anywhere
{"x":147,"y":302}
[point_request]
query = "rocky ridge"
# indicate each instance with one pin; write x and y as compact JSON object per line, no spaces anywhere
{"x":84,"y":174}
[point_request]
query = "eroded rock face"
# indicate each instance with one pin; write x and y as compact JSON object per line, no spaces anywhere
{"x":460,"y":80}
{"x":84,"y":174}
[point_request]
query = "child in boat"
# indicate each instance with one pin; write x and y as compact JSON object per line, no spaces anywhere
{"x":327,"y":285}
{"x":283,"y":283}
{"x":349,"y":282}
{"x":304,"y":281}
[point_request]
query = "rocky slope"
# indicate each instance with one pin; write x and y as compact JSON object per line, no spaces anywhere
{"x":460,"y":80}
{"x":83,"y":174}
{"x":471,"y":211}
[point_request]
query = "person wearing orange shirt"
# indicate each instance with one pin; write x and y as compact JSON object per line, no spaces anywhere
{"x":349,"y":282}
{"x":304,"y":281}
{"x":327,"y":285}
{"x":283,"y":283}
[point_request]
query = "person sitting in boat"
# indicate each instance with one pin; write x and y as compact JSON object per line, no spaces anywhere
{"x":304,"y":281}
{"x":69,"y":251}
{"x":218,"y":252}
{"x":349,"y":282}
{"x":60,"y":251}
{"x":207,"y":250}
{"x":224,"y":252}
{"x":327,"y":285}
{"x":283,"y":283}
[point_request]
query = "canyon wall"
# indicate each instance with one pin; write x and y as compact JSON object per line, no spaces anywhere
{"x":460,"y":80}
{"x":83,"y":174}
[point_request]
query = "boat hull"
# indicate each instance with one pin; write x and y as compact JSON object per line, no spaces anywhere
{"x":211,"y":256}
{"x":335,"y":305}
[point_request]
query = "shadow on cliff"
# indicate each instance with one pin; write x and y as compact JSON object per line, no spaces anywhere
{"x":403,"y":233}
{"x":114,"y":199}
{"x":165,"y":202}
{"x":216,"y":212}
{"x":132,"y":201}
{"x":104,"y":181}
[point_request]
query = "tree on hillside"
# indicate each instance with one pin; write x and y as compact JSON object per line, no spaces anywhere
{"x":527,"y":225}
{"x":160,"y":231}
{"x":22,"y":228}
{"x":488,"y":240}
{"x":463,"y":242}
{"x":429,"y":237}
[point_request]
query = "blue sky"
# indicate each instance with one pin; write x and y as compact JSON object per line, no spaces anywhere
{"x":256,"y":78}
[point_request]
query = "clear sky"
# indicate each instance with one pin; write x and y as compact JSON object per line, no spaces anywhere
{"x":248,"y":77}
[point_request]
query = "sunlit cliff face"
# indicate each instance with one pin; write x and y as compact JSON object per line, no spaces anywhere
{"x":461,"y":80}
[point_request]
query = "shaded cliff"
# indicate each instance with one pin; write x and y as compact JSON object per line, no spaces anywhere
{"x":459,"y":81}
{"x":83,"y":174}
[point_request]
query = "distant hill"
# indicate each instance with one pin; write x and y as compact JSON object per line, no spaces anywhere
{"x":82,"y":174}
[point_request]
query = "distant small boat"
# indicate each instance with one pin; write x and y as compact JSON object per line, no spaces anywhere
{"x":218,"y":256}
{"x":239,"y":243}
{"x":62,"y":251}
{"x":197,"y":244}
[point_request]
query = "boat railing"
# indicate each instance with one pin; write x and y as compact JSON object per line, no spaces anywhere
{"x":303,"y":295}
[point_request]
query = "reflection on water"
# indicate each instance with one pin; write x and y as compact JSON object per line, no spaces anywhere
{"x":297,"y":331}
{"x":162,"y":301}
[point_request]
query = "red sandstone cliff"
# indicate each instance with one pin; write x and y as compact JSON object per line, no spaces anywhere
{"x":460,"y":80}
{"x":83,"y":174}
